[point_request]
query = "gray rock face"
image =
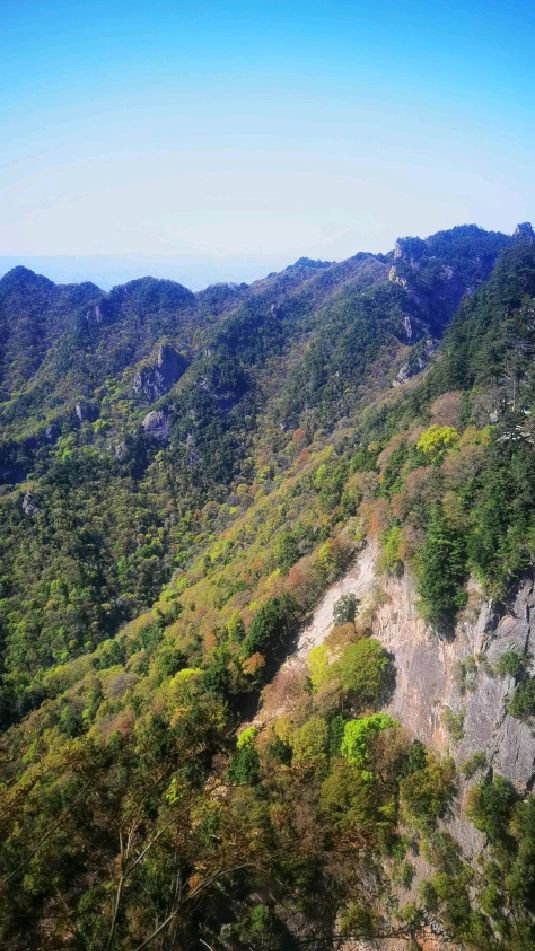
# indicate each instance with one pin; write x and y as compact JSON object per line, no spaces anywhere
{"x":433,"y":676}
{"x":417,"y":362}
{"x":86,"y":412}
{"x":120,"y":451}
{"x":156,"y":425}
{"x":437,"y":678}
{"x":52,"y":432}
{"x":28,"y":505}
{"x":429,"y":942}
{"x":152,"y":382}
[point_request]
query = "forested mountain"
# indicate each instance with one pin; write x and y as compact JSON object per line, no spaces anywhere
{"x":183,"y":477}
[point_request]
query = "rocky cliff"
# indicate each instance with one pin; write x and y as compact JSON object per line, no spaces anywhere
{"x":447,"y":692}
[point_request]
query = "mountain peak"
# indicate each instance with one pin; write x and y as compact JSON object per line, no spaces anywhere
{"x":304,"y":262}
{"x":22,"y":277}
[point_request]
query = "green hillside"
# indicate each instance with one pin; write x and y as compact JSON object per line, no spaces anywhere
{"x":183,"y":477}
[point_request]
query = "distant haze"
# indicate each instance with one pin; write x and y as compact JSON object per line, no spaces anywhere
{"x":237,"y":136}
{"x":193,"y":271}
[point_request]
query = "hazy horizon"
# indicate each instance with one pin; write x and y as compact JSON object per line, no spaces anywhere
{"x":264,"y":132}
{"x":107,"y":271}
{"x":195,"y":272}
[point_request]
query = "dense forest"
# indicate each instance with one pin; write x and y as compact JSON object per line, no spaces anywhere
{"x":183,"y":476}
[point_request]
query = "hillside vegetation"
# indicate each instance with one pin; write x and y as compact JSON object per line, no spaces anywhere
{"x":183,"y":477}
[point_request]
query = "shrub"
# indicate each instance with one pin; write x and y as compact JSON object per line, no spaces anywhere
{"x":363,"y":669}
{"x":391,"y":546}
{"x":435,"y":441}
{"x":454,"y":723}
{"x":358,"y":733}
{"x":356,"y":920}
{"x":473,"y":764}
{"x":254,"y":927}
{"x":489,"y":807}
{"x":509,"y":663}
{"x":403,"y":873}
{"x":521,"y":881}
{"x":345,"y":609}
{"x":522,"y":704}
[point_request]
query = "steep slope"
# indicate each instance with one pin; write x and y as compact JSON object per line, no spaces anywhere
{"x":131,"y":811}
{"x":145,"y":404}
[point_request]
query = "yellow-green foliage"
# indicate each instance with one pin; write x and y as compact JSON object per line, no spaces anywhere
{"x":319,"y":668}
{"x":187,"y":673}
{"x":357,"y":670}
{"x":359,"y":733}
{"x":436,"y":440}
{"x":246,"y":737}
{"x":391,"y":559}
{"x":362,"y":668}
{"x":309,"y":743}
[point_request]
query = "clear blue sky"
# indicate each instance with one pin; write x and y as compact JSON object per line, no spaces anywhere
{"x":263,"y":129}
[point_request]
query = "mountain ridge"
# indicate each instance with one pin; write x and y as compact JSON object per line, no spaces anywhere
{"x":155,"y":577}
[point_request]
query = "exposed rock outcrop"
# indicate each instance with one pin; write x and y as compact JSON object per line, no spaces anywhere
{"x":52,"y":431}
{"x":418,"y":360}
{"x":434,"y":676}
{"x":152,"y":382}
{"x":28,"y":505}
{"x":120,"y":451}
{"x":86,"y":412}
{"x":424,"y":942}
{"x":156,"y":425}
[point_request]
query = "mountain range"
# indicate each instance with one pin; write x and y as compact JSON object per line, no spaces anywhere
{"x":266,"y":599}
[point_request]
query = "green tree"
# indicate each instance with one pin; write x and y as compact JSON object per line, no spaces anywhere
{"x":363,"y":670}
{"x":489,"y":806}
{"x":441,"y":572}
{"x":345,"y":609}
{"x":273,"y":626}
{"x":358,"y":733}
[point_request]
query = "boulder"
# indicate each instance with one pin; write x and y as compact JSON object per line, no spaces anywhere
{"x":156,"y":425}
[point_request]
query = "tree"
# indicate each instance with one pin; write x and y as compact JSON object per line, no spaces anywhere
{"x":273,"y":626}
{"x":309,"y":744}
{"x":358,"y":733}
{"x":426,"y":791}
{"x":345,"y":609}
{"x":441,"y":572}
{"x":363,"y":668}
{"x":435,"y":441}
{"x":489,"y":806}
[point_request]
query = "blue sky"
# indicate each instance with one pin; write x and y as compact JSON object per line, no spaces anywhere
{"x":220,"y":132}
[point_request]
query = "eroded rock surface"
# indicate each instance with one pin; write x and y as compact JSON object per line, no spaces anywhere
{"x":152,"y":382}
{"x":156,"y":425}
{"x":434,"y":676}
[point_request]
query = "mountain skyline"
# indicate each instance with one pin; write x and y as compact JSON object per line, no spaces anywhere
{"x":266,"y":606}
{"x":192,"y":271}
